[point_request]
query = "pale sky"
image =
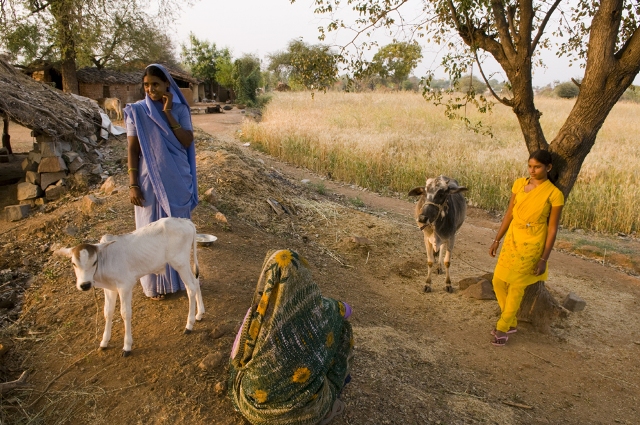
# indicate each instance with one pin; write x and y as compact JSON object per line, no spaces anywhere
{"x":265,"y":26}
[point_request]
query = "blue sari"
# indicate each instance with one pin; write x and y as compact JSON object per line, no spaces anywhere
{"x":167,"y":172}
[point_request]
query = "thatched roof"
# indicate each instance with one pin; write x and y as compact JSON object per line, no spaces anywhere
{"x":108,"y":76}
{"x":44,"y":109}
{"x":182,"y":75}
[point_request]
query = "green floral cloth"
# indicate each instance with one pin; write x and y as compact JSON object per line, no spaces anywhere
{"x":292,"y":354}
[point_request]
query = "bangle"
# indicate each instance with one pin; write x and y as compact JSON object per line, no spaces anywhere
{"x":166,"y":110}
{"x":131,"y":169}
{"x":496,"y":240}
{"x":175,"y":127}
{"x":131,"y":186}
{"x":542,"y":259}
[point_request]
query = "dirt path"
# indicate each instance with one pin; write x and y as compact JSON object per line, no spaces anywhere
{"x":420,"y":358}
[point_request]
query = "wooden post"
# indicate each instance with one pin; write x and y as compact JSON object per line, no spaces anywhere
{"x":6,"y":138}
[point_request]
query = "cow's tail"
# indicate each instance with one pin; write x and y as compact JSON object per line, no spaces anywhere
{"x":196,"y":268}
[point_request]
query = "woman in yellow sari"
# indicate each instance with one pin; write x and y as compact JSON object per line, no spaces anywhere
{"x":530,"y":225}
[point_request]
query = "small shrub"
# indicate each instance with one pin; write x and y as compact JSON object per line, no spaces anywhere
{"x":262,"y":100}
{"x":567,"y":90}
{"x":357,"y":202}
{"x":319,"y":187}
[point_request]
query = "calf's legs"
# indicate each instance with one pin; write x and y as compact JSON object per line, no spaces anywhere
{"x":109,"y":308}
{"x":125,"y":312}
{"x":193,"y":293}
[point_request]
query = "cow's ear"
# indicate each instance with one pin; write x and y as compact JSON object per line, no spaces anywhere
{"x":66,"y":252}
{"x":104,"y":245}
{"x":416,"y":191}
{"x":458,"y":189}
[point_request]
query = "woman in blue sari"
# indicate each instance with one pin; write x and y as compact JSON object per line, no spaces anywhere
{"x":162,"y":166}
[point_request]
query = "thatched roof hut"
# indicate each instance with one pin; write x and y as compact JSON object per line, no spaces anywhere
{"x":44,"y":109}
{"x":109,"y":76}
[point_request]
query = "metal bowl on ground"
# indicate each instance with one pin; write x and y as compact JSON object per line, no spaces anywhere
{"x":205,"y":240}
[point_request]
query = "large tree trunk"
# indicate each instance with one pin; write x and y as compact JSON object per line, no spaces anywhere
{"x":64,"y":12}
{"x":539,"y":307}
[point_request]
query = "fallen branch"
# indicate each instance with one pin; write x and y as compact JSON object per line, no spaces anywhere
{"x":20,"y":382}
{"x":617,"y":379}
{"x":521,"y":406}
{"x":338,"y":260}
{"x":542,"y":358}
{"x":464,"y":394}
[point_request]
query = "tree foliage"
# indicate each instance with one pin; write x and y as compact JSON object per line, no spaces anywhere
{"x":395,"y":61}
{"x":224,"y":72}
{"x":247,"y":78}
{"x":203,"y":59}
{"x":602,"y":37}
{"x":103,"y":33}
{"x":312,"y":67}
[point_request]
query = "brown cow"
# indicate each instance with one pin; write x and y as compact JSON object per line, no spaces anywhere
{"x":111,"y":104}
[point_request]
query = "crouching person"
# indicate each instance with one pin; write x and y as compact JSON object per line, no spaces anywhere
{"x":291,"y":357}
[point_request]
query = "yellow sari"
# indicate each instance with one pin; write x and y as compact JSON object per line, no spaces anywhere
{"x":525,"y":240}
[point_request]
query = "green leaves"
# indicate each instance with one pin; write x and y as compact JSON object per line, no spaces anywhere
{"x":396,"y":61}
{"x":312,"y":67}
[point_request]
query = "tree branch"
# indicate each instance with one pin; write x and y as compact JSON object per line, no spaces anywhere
{"x":503,"y":28}
{"x":526,"y":27}
{"x":511,"y":12}
{"x":20,"y":382}
{"x":504,"y":100}
{"x":39,"y":7}
{"x":543,"y":25}
{"x":629,"y":55}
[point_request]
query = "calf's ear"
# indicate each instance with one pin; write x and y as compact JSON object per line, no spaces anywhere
{"x":416,"y":191}
{"x":458,"y":189}
{"x":66,"y":252}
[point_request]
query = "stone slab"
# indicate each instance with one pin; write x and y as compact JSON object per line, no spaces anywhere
{"x":16,"y":212}
{"x":69,"y":156}
{"x":469,"y":281}
{"x":52,"y":164}
{"x":108,"y":186}
{"x":483,"y":290}
{"x":55,"y":192}
{"x":47,"y":179}
{"x":28,"y":165}
{"x":48,"y":149}
{"x":574,"y":303}
{"x":89,"y":203}
{"x":28,"y":191}
{"x":32,"y":177}
{"x":76,"y":164}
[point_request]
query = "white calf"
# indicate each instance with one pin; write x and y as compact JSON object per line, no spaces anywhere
{"x":117,"y":262}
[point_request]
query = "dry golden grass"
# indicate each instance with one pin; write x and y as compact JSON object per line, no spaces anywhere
{"x":393,"y":141}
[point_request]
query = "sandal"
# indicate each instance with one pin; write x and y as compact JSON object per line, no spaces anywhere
{"x":158,"y":297}
{"x":509,"y":332}
{"x":500,"y":341}
{"x":337,"y":409}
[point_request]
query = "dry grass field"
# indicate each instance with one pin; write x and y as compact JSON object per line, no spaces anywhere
{"x":389,"y":142}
